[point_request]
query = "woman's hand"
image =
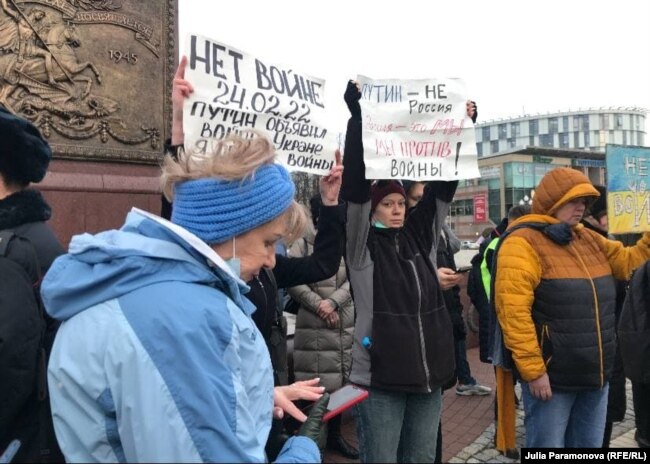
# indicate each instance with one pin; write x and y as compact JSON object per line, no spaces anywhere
{"x":333,"y":320}
{"x":330,"y":185}
{"x":284,"y":396}
{"x":325,"y":308}
{"x":181,"y":89}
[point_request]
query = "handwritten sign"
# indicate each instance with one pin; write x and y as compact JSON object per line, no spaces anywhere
{"x":628,"y":189}
{"x":234,"y":91}
{"x":417,"y":129}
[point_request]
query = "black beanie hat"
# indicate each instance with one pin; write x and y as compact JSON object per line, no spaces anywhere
{"x":24,"y":153}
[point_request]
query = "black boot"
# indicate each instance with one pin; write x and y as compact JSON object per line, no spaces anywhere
{"x":344,"y":448}
{"x":337,"y":443}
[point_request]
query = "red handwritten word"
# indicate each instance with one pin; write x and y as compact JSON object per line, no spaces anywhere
{"x":370,"y":125}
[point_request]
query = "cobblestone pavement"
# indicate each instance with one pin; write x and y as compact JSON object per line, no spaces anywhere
{"x":482,"y":449}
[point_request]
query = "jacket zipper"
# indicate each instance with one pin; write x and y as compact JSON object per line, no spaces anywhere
{"x":597,"y":312}
{"x":266,"y":300}
{"x":421,"y":331}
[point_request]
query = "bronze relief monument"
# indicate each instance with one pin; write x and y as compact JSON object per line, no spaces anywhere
{"x":93,"y":75}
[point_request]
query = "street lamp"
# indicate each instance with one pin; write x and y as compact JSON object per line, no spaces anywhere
{"x":527,"y":200}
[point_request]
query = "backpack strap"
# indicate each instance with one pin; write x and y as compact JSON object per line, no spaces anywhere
{"x":506,"y":356}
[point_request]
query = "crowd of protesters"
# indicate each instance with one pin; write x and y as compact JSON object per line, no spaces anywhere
{"x":165,"y":340}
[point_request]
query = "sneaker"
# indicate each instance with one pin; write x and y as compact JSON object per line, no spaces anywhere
{"x":470,"y":390}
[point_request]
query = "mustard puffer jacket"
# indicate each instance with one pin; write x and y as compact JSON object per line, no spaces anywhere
{"x":556,"y":303}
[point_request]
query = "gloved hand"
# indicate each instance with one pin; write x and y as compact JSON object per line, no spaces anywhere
{"x":313,"y":427}
{"x":352,"y":97}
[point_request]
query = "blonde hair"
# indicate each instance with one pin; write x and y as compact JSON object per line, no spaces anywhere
{"x":231,"y":158}
{"x":296,"y":222}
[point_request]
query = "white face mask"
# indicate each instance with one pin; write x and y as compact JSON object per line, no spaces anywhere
{"x":234,"y":263}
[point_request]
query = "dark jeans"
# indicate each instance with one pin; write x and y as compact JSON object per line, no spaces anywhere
{"x":463,"y":372}
{"x":641,"y":399}
{"x":398,"y":427}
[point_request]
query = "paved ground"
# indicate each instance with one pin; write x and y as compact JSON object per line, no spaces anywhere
{"x":468,"y":427}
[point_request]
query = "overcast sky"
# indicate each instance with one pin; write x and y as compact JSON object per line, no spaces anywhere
{"x":515,"y":56}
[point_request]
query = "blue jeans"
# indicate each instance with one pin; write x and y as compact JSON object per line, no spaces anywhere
{"x":463,"y":372}
{"x":570,"y":419}
{"x":398,"y":427}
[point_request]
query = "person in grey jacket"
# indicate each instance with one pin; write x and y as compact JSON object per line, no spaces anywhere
{"x":403,"y":345}
{"x":324,"y":329}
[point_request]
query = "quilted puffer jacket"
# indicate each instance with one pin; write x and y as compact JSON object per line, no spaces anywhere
{"x":556,"y":303}
{"x":320,"y":351}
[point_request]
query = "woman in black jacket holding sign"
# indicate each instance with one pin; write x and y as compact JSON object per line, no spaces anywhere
{"x":403,"y":349}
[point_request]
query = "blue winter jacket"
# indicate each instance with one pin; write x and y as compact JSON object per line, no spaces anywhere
{"x":157,"y":359}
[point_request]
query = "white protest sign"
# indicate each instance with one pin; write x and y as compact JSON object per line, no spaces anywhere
{"x":234,"y":91}
{"x":417,"y":129}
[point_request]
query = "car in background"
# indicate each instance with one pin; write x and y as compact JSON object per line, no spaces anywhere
{"x":468,"y":245}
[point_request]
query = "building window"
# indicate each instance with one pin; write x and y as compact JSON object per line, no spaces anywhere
{"x":565,"y":123}
{"x":624,"y":137}
{"x":546,"y":140}
{"x":564,"y":140}
{"x":514,"y":129}
{"x":618,"y":121}
{"x":576,"y":140}
{"x":512,"y":142}
{"x":486,"y":133}
{"x":604,"y":121}
{"x":503,"y":131}
{"x":533,"y":127}
{"x":552,"y":125}
{"x":531,"y":141}
{"x":587,"y":139}
{"x":494,"y":146}
{"x":581,"y":122}
{"x":462,"y":208}
{"x":479,"y":149}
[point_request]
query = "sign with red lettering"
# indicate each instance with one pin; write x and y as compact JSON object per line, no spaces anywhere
{"x":417,"y":129}
{"x":234,"y":91}
{"x":480,"y":208}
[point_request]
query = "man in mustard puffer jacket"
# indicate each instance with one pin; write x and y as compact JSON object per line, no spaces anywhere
{"x":555,"y":301}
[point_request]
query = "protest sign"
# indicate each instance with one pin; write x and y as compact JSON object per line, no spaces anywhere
{"x":234,"y":91}
{"x":417,"y":129}
{"x":628,"y":189}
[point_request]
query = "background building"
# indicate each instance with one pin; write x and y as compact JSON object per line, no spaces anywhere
{"x":590,"y":129}
{"x":514,"y":155}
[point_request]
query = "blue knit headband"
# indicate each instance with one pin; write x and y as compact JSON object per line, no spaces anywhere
{"x":215,"y":210}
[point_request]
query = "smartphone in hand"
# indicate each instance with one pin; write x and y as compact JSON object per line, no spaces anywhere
{"x":461,"y":269}
{"x":344,"y":398}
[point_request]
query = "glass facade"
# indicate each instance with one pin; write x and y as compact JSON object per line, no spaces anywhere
{"x":519,"y":179}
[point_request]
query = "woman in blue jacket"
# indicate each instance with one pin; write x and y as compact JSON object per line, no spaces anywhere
{"x":158,"y":358}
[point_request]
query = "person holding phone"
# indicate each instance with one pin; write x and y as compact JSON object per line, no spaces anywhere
{"x":158,"y":358}
{"x":403,"y":345}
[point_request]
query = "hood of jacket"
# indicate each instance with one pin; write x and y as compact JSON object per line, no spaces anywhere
{"x":145,"y":251}
{"x":560,"y":186}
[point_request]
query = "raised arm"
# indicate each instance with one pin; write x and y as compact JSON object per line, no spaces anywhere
{"x":356,"y":188}
{"x":426,"y":219}
{"x":9,"y":11}
{"x":181,"y":89}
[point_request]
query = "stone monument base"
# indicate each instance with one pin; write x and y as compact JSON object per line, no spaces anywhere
{"x":92,"y":197}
